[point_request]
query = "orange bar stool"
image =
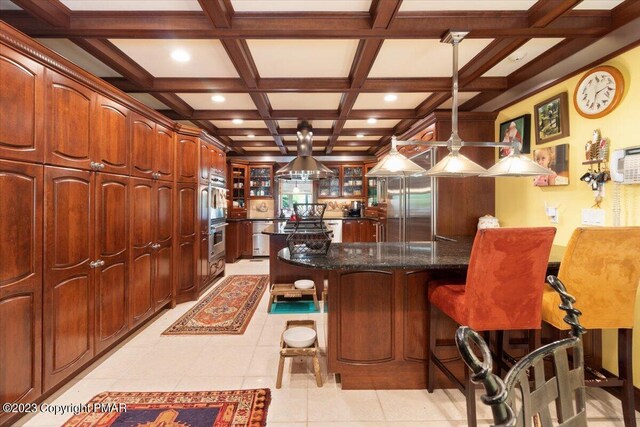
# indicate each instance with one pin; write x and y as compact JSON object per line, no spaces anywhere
{"x":503,"y":291}
{"x":601,"y":269}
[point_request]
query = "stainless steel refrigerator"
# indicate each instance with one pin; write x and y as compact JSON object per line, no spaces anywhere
{"x":410,"y":204}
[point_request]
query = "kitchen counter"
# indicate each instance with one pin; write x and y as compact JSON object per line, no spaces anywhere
{"x":378,"y":321}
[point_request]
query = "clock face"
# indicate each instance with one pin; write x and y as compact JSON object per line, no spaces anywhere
{"x":599,"y":92}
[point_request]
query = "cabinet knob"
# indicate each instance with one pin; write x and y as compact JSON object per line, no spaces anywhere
{"x":155,"y":246}
{"x":94,"y":264}
{"x":100,"y":166}
{"x":94,"y":165}
{"x":100,"y":263}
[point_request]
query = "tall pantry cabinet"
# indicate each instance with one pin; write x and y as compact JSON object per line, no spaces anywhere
{"x":98,"y":221}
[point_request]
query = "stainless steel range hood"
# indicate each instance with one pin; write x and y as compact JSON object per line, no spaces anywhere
{"x":304,"y":166}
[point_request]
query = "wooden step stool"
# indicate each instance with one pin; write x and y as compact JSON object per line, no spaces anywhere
{"x":288,"y":290}
{"x":311,"y":351}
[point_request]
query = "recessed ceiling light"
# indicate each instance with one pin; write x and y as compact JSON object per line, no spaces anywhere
{"x":251,"y":135}
{"x":372,"y":120}
{"x":517,"y":56}
{"x":180,"y":55}
{"x":237,"y":121}
{"x":218,"y":98}
{"x":390,"y":97}
{"x":359,"y":135}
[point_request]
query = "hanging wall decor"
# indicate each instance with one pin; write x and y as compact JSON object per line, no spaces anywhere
{"x":552,"y":118}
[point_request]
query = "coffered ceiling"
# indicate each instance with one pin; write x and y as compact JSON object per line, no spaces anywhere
{"x":251,"y":69}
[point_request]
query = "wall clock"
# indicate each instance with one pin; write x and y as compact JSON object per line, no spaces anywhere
{"x":598,"y":92}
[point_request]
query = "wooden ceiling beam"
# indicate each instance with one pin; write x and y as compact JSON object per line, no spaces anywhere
{"x":109,"y":53}
{"x":544,"y":12}
{"x":219,"y":12}
{"x":230,"y":85}
{"x":292,"y":114}
{"x":52,"y":12}
{"x":308,"y":25}
{"x":174,"y":102}
{"x":625,"y":13}
{"x":383,"y":12}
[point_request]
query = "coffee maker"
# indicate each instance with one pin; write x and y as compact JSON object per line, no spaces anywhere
{"x":356,"y":209}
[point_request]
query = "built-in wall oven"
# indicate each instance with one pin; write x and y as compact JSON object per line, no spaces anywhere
{"x":217,"y":217}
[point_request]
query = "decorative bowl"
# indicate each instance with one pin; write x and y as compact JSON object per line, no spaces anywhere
{"x":299,"y":336}
{"x":304,"y":284}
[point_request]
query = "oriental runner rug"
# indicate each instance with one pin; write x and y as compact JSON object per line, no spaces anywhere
{"x":232,"y":408}
{"x":227,"y":309}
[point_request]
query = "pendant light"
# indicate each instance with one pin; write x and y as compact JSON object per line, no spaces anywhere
{"x":517,"y":164}
{"x":395,"y":164}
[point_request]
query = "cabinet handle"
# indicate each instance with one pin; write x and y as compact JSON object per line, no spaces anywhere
{"x":94,"y":165}
{"x":155,"y":246}
{"x":94,"y":264}
{"x":100,"y":263}
{"x":100,"y":166}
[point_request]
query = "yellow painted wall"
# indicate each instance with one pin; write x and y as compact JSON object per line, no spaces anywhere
{"x":519,"y":203}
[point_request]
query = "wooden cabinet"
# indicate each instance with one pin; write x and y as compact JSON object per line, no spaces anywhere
{"x":219,"y":161}
{"x":112,"y":249}
{"x":187,"y":155}
{"x":187,"y":241}
{"x":151,"y":248}
{"x":237,"y":184}
{"x":331,"y":187}
{"x":21,"y":209}
{"x":246,"y":239}
{"x":348,"y":182}
{"x":212,"y":161}
{"x":261,"y":182}
{"x":110,"y":136}
{"x":239,"y":240}
{"x":358,"y":230}
{"x":152,"y":148}
{"x":203,"y":235}
{"x":68,"y":263}
{"x":370,"y":187}
{"x":22,"y":106}
{"x":68,"y":122}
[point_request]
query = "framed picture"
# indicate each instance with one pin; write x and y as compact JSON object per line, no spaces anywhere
{"x":518,"y":129}
{"x":552,"y":119}
{"x":555,"y":158}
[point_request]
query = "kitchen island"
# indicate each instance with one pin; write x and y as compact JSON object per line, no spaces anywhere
{"x":378,"y":319}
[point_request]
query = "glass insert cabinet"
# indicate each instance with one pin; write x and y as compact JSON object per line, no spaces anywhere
{"x":348,"y":182}
{"x":261,"y":181}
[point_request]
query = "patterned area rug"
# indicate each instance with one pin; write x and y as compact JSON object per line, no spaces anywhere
{"x":233,"y":408}
{"x":227,"y":309}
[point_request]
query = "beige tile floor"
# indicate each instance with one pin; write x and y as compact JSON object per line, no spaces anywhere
{"x":150,"y":362}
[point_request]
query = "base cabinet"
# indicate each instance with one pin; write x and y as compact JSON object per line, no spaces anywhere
{"x":21,"y":208}
{"x":358,"y":230}
{"x":187,"y":245}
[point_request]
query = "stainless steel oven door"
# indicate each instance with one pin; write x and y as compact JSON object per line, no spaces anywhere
{"x":217,"y":240}
{"x":218,"y":202}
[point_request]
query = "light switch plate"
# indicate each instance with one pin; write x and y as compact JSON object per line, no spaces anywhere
{"x":593,"y":217}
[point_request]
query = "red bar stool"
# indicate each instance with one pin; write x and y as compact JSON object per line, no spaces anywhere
{"x":503,"y":291}
{"x":601,"y":269}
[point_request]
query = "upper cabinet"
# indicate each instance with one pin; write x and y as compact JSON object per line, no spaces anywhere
{"x":68,"y":122}
{"x":371,"y":186}
{"x":237,"y":184}
{"x":187,"y":154}
{"x":261,"y":181}
{"x":348,"y":182}
{"x":152,"y":149}
{"x":21,"y":104}
{"x":212,"y":161}
{"x":330,"y":187}
{"x":110,"y":136}
{"x":164,"y":154}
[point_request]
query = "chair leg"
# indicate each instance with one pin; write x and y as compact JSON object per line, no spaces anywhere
{"x":431,"y":372}
{"x":625,"y":372}
{"x":500,"y":352}
{"x":470,"y":397}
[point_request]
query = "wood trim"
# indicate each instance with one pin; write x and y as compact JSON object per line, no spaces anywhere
{"x":218,"y":11}
{"x":52,"y":12}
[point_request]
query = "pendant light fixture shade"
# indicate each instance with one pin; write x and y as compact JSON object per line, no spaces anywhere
{"x":304,"y":167}
{"x":456,"y":165}
{"x":395,"y":164}
{"x":517,"y":164}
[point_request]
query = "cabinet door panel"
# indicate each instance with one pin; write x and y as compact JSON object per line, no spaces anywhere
{"x":164,"y":213}
{"x":110,"y":135}
{"x":186,"y":220}
{"x":142,"y":146}
{"x":186,"y":268}
{"x":162,"y":286}
{"x":142,"y":222}
{"x":22,"y":106}
{"x":112,"y":246}
{"x":68,"y":122}
{"x":164,"y":153}
{"x":203,"y":260}
{"x":187,"y":156}
{"x":205,"y":159}
{"x":186,"y":212}
{"x":68,"y":291}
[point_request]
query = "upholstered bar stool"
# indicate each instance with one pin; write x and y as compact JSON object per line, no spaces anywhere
{"x":601,"y":269}
{"x":503,"y":291}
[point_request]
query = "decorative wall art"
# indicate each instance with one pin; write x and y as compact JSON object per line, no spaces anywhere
{"x":555,"y":158}
{"x":518,"y":129}
{"x":552,"y":118}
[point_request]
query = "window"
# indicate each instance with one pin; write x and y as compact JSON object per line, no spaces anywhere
{"x":294,"y":192}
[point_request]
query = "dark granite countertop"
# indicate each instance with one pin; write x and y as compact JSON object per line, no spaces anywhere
{"x":424,"y":255}
{"x":342,"y":218}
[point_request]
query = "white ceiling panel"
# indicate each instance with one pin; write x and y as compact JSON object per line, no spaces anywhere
{"x":234,"y":101}
{"x":79,"y":56}
{"x":301,"y":6}
{"x":373,"y":101}
{"x":364,"y":125}
{"x":462,"y":97}
{"x":304,"y":101}
{"x":527,"y":52}
{"x":8,"y":5}
{"x":364,"y":138}
{"x":343,"y":148}
{"x":315,"y":123}
{"x":255,"y":138}
{"x":314,"y":148}
{"x":274,"y":148}
{"x":303,"y":58}
{"x":151,"y":102}
{"x":598,"y":4}
{"x":431,"y":5}
{"x":132,"y":4}
{"x":208,"y":57}
{"x":253,"y":124}
{"x":423,"y":58}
